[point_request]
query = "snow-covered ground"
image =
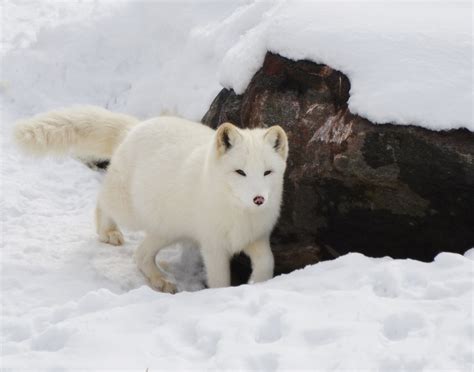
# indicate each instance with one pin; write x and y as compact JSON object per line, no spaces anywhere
{"x":69,"y":301}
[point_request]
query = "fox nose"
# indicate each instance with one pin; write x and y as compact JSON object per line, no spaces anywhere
{"x":259,"y":200}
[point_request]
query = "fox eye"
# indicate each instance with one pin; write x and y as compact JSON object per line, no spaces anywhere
{"x":267,"y":172}
{"x":241,"y":172}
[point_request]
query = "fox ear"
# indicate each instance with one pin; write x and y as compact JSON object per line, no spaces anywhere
{"x":227,"y":136}
{"x":277,"y":138}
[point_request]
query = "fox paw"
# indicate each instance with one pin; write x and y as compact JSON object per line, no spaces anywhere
{"x":162,"y":285}
{"x":113,"y":237}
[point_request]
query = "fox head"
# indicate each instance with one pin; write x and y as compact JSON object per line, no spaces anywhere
{"x":251,"y":164}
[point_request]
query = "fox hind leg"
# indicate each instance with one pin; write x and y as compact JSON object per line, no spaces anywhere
{"x":107,"y":229}
{"x":145,"y":256}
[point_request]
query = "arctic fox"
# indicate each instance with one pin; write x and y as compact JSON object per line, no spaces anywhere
{"x":178,"y":181}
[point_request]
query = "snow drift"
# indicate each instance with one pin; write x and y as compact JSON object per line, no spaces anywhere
{"x":408,"y":63}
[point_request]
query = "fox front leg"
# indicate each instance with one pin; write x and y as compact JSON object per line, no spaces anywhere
{"x":261,"y":257}
{"x":217,"y":264}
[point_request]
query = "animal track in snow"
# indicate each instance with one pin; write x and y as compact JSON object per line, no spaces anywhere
{"x":254,"y":305}
{"x":199,"y":335}
{"x":401,"y":363}
{"x":385,"y":284}
{"x":322,"y":336}
{"x":264,"y":362}
{"x":270,"y":329}
{"x":398,"y":326}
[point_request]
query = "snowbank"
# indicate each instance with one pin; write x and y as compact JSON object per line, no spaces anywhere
{"x":69,"y":301}
{"x":409,"y":63}
{"x":72,"y":302}
{"x":139,"y":57}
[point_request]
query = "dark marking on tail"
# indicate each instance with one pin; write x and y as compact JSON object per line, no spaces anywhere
{"x":97,"y":165}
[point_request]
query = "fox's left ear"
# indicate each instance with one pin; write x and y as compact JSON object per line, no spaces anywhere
{"x":277,"y":138}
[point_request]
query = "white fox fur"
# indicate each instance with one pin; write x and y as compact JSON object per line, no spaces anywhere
{"x":178,"y":181}
{"x":85,"y":131}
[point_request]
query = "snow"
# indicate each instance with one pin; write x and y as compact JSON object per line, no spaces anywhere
{"x":139,"y":58}
{"x":408,"y":63}
{"x":69,"y":301}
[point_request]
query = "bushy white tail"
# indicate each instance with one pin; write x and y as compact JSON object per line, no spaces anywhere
{"x":86,"y":132}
